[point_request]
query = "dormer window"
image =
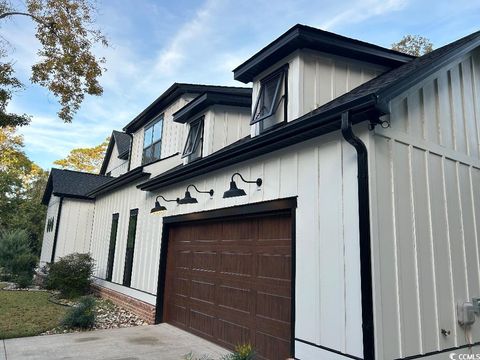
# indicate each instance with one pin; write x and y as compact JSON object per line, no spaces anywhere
{"x":272,"y":94}
{"x":152,"y":141}
{"x":194,"y":145}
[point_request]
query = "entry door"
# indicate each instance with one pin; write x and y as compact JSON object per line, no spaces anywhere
{"x":229,"y":281}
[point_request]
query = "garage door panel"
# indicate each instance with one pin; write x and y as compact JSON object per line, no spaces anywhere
{"x":273,"y":307}
{"x":274,"y":266}
{"x":236,"y":263}
{"x":206,"y":233}
{"x":270,"y":347}
{"x":232,"y":334}
{"x":203,"y":291}
{"x":243,"y":230}
{"x":230,"y":282}
{"x":235,"y":298}
{"x":275,"y":227}
{"x":204,"y":261}
{"x":202,"y":322}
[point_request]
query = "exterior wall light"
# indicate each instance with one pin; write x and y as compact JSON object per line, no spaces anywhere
{"x":188,"y":199}
{"x":157,"y":209}
{"x":235,"y":191}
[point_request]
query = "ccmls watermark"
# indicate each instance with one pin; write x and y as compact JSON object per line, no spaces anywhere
{"x":455,"y":356}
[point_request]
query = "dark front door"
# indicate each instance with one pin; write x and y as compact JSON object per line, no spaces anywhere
{"x":229,"y":281}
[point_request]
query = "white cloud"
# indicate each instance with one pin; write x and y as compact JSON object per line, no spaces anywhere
{"x":362,"y":10}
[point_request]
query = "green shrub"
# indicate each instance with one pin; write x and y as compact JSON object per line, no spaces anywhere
{"x":16,"y":258}
{"x":71,"y":275}
{"x":82,"y":315}
{"x":241,"y":352}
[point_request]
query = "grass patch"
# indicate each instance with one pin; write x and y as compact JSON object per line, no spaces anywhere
{"x":27,"y":313}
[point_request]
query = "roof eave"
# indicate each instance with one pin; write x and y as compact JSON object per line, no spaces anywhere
{"x":304,"y":37}
{"x":206,"y":100}
{"x":299,"y":130}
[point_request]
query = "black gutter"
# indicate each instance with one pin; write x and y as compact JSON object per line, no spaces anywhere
{"x":307,"y":127}
{"x":124,"y":179}
{"x":364,"y":230}
{"x":55,"y":237}
{"x":72,"y":196}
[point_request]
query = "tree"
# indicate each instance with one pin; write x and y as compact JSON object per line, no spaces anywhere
{"x":415,"y":45}
{"x":21,"y":188}
{"x":85,"y":159}
{"x":67,"y":67}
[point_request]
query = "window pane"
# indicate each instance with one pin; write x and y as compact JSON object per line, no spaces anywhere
{"x":147,"y":138}
{"x":157,"y":149}
{"x":147,"y":155}
{"x":157,"y":131}
{"x":270,"y":94}
{"x":194,"y":145}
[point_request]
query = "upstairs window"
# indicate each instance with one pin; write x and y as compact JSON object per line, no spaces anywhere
{"x":152,"y":141}
{"x":194,"y":145}
{"x":273,"y":93}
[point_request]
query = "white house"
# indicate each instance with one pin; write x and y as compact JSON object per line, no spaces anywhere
{"x":330,"y":212}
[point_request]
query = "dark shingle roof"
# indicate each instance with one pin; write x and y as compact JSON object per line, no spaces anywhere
{"x":74,"y":184}
{"x":372,"y":94}
{"x":123,"y":142}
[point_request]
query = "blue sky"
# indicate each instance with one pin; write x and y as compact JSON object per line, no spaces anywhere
{"x":155,"y":43}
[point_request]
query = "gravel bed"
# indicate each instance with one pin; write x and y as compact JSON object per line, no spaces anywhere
{"x":107,"y":316}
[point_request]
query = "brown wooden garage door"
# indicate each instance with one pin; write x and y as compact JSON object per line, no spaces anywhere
{"x":229,"y":282}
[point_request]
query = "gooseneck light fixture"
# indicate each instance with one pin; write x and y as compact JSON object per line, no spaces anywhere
{"x":157,"y":209}
{"x":235,"y":191}
{"x":188,"y":199}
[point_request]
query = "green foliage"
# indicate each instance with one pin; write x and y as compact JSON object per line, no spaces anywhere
{"x":82,"y":315}
{"x":415,"y":45}
{"x":71,"y":275}
{"x":241,"y":352}
{"x":67,"y":67}
{"x":85,"y":159}
{"x":16,"y":258}
{"x":21,"y":189}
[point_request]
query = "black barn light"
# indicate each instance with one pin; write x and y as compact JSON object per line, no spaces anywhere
{"x":235,"y":191}
{"x":159,"y":208}
{"x":188,"y":199}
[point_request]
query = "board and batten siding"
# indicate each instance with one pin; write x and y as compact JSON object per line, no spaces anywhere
{"x":223,"y":125}
{"x":75,"y":227}
{"x":315,"y":78}
{"x":47,"y":243}
{"x":322,"y":173}
{"x":425,"y":195}
{"x":116,"y":166}
{"x":173,"y":134}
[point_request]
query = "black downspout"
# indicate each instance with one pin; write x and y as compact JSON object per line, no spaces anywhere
{"x":52,"y":260}
{"x":130,"y":151}
{"x":364,"y":229}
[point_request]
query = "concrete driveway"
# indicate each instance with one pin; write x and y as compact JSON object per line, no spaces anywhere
{"x":159,"y":342}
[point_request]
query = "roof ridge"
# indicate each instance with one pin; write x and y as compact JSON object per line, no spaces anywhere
{"x":80,"y":172}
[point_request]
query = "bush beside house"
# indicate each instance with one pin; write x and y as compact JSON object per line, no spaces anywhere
{"x":71,"y":275}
